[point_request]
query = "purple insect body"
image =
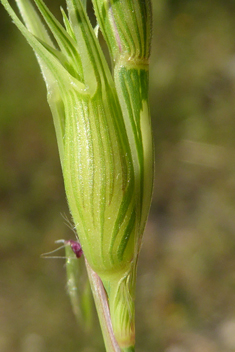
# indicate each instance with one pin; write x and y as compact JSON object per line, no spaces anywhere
{"x":76,"y":247}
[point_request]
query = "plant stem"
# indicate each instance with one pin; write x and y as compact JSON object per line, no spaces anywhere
{"x":102,"y":307}
{"x":128,"y":349}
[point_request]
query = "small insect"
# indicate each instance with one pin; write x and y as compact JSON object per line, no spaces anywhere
{"x":75,"y":246}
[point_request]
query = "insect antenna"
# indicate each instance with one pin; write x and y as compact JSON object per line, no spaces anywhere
{"x":75,"y":246}
{"x":47,"y":254}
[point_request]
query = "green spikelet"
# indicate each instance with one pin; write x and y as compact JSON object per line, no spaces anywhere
{"x":104,"y":134}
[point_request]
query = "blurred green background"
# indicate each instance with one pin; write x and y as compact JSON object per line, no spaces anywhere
{"x":186,"y":278}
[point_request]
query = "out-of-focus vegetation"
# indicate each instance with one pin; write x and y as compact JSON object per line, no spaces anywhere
{"x":186,"y":282}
